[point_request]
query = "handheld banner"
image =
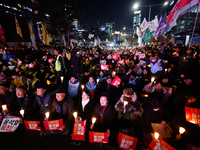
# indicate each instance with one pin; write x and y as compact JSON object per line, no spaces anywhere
{"x":53,"y":124}
{"x":32,"y":125}
{"x":103,"y":62}
{"x":9,"y":124}
{"x":141,"y":56}
{"x":121,"y":61}
{"x":31,"y":65}
{"x":90,"y":58}
{"x":50,"y":60}
{"x":116,"y":82}
{"x":127,"y":142}
{"x":44,"y":57}
{"x":98,"y":137}
{"x":192,"y":115}
{"x":163,"y":145}
{"x":104,"y":67}
{"x":114,"y":56}
{"x":79,"y":131}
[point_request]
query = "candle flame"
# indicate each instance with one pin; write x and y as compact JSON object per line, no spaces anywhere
{"x":125,"y":102}
{"x":75,"y":114}
{"x":94,"y":120}
{"x":22,"y":112}
{"x":4,"y":107}
{"x":156,"y":134}
{"x":152,"y":79}
{"x":82,"y":86}
{"x":47,"y":114}
{"x":181,"y":130}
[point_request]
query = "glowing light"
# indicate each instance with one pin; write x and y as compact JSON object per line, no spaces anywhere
{"x":75,"y":114}
{"x":47,"y":114}
{"x":181,"y":130}
{"x":156,"y":134}
{"x":93,"y":120}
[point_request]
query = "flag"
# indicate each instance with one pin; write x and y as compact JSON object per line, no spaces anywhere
{"x":1,"y":30}
{"x":125,"y":40}
{"x":64,"y":42}
{"x":35,"y":33}
{"x":171,"y":40}
{"x":90,"y":36}
{"x":162,"y":26}
{"x":147,"y":36}
{"x":179,"y":4}
{"x":39,"y":34}
{"x":139,"y":32}
{"x":154,"y":24}
{"x":107,"y":41}
{"x":32,"y":36}
{"x":45,"y":34}
{"x":144,"y":25}
{"x":3,"y":39}
{"x":18,"y":29}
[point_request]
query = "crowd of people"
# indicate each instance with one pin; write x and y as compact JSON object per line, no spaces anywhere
{"x":156,"y":83}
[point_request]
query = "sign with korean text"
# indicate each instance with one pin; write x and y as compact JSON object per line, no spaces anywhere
{"x":98,"y":137}
{"x":79,"y":131}
{"x":44,"y":57}
{"x":141,"y":56}
{"x":116,"y":82}
{"x":32,"y":125}
{"x":192,"y":115}
{"x":31,"y":65}
{"x":121,"y":61}
{"x":90,"y":58}
{"x":53,"y":124}
{"x":127,"y":142}
{"x":114,"y":57}
{"x":104,"y":67}
{"x":103,"y":62}
{"x":137,"y":53}
{"x":9,"y":124}
{"x":109,"y":56}
{"x":19,"y":62}
{"x":162,"y":145}
{"x":50,"y":60}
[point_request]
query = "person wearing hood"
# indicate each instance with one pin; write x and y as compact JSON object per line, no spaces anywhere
{"x":91,"y":86}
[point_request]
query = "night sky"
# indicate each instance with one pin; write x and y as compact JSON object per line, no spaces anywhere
{"x":119,"y":11}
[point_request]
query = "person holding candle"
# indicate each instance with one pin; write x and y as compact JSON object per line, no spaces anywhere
{"x":106,"y":119}
{"x":101,"y":76}
{"x":91,"y":86}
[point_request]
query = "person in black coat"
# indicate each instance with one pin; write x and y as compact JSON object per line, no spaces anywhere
{"x":106,"y":119}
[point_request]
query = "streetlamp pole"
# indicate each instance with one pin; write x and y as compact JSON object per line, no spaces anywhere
{"x":149,"y":12}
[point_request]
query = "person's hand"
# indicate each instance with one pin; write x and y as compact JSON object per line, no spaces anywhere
{"x":78,"y":119}
{"x":6,"y":110}
{"x":91,"y":126}
{"x":150,"y":84}
{"x":163,"y":122}
{"x":63,"y":126}
{"x":178,"y":136}
{"x":153,"y":138}
{"x":170,"y":91}
{"x":108,"y":132}
{"x":21,"y":121}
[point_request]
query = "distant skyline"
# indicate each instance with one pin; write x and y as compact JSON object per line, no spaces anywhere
{"x":120,"y":12}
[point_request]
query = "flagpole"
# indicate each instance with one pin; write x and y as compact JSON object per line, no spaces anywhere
{"x":194,"y":24}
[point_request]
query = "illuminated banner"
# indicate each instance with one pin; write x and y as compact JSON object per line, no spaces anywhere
{"x":32,"y":125}
{"x":53,"y":124}
{"x":79,"y":131}
{"x":121,"y":61}
{"x":116,"y":82}
{"x":104,"y":67}
{"x":127,"y":142}
{"x":9,"y":124}
{"x":163,"y":145}
{"x":98,"y":137}
{"x":192,"y":115}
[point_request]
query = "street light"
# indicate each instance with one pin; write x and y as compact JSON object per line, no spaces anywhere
{"x":124,"y":28}
{"x":135,"y":6}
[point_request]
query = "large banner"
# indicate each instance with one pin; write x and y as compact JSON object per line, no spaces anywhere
{"x":79,"y":131}
{"x":162,"y":145}
{"x":127,"y":142}
{"x":53,"y":124}
{"x":192,"y":115}
{"x":32,"y":125}
{"x":98,"y":137}
{"x":9,"y":124}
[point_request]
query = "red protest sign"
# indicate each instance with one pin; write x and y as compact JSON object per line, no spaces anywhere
{"x":31,"y":65}
{"x":121,"y":61}
{"x":126,"y":142}
{"x":50,"y":60}
{"x":163,"y":145}
{"x":114,"y":56}
{"x":53,"y":124}
{"x":116,"y":82}
{"x":90,"y":58}
{"x":79,"y":131}
{"x":192,"y":115}
{"x":104,"y":67}
{"x":32,"y":125}
{"x":44,"y":57}
{"x":98,"y":137}
{"x":19,"y":62}
{"x":9,"y":124}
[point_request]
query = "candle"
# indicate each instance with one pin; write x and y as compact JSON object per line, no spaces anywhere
{"x":114,"y":72}
{"x":125,"y":103}
{"x":47,"y":115}
{"x":75,"y":114}
{"x":22,"y":112}
{"x":165,"y":70}
{"x":156,"y":134}
{"x":93,"y":120}
{"x":82,"y":86}
{"x":97,"y":81}
{"x":61,"y":78}
{"x":149,"y":65}
{"x":152,"y":79}
{"x":4,"y":107}
{"x":181,"y":130}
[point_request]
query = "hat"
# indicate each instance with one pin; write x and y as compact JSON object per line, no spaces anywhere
{"x":60,"y":90}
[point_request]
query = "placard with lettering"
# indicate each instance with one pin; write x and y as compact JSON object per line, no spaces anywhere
{"x":79,"y":131}
{"x":104,"y":67}
{"x":116,"y":82}
{"x":50,"y":60}
{"x":163,"y":145}
{"x":98,"y":137}
{"x":32,"y":125}
{"x":114,"y":57}
{"x":127,"y":142}
{"x":103,"y":62}
{"x":141,"y":56}
{"x":121,"y":61}
{"x":192,"y":115}
{"x":53,"y":124}
{"x":9,"y":124}
{"x":90,"y":58}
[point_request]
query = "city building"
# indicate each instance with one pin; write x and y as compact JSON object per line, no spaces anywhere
{"x":136,"y":21}
{"x":110,"y":28}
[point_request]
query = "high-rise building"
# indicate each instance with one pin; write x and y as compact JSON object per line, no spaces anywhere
{"x":75,"y":24}
{"x":136,"y":21}
{"x":110,"y":27}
